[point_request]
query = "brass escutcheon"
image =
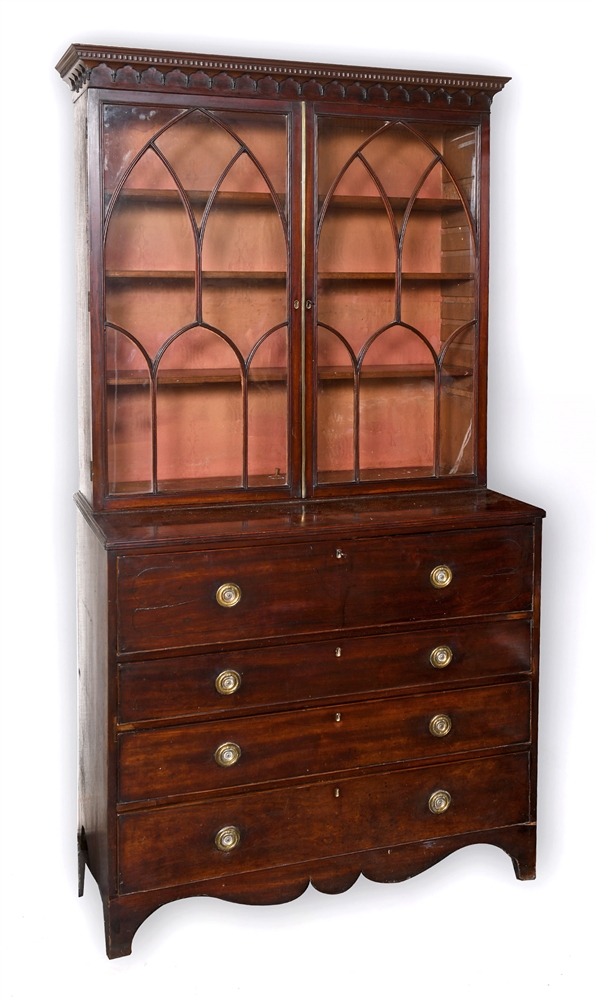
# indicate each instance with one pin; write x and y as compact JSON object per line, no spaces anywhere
{"x":440,"y":725}
{"x":227,"y":682}
{"x":441,"y":576}
{"x":227,"y":838}
{"x":227,"y":754}
{"x":228,"y":594}
{"x":440,"y":657}
{"x":439,"y":801}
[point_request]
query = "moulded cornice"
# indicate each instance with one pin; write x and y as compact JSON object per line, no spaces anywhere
{"x":181,"y":72}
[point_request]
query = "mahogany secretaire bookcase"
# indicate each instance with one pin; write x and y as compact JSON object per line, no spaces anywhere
{"x":308,"y":631}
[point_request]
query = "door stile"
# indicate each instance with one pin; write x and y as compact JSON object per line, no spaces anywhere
{"x":295,"y":304}
{"x":309,"y":301}
{"x":95,"y":194}
{"x":482,"y":306}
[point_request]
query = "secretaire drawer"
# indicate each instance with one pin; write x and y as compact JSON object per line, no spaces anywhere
{"x":204,"y":756}
{"x":239,"y":681}
{"x":176,"y":600}
{"x":178,"y":844}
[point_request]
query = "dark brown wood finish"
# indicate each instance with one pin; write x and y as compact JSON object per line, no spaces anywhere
{"x":170,"y":600}
{"x":163,"y":847}
{"x":95,"y":758}
{"x":323,"y":678}
{"x":300,"y":674}
{"x":125,"y":913}
{"x":311,"y":742}
{"x":87,"y":66}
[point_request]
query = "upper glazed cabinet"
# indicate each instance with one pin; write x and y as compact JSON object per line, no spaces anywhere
{"x":289,"y":297}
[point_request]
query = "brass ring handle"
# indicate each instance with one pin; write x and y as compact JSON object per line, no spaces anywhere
{"x":228,"y":594}
{"x":439,"y":801}
{"x":227,"y":838}
{"x":227,"y":682}
{"x":227,"y":754}
{"x":440,"y":657}
{"x":440,"y":725}
{"x":441,"y":577}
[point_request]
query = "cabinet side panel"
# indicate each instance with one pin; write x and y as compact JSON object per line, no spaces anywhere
{"x":83,"y":324}
{"x":92,"y":601}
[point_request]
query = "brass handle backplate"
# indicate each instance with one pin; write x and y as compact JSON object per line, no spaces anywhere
{"x":227,"y":754}
{"x":228,"y":594}
{"x":439,"y":801}
{"x":227,"y":838}
{"x":441,"y":576}
{"x":227,"y":682}
{"x":440,"y":725}
{"x":440,"y":657}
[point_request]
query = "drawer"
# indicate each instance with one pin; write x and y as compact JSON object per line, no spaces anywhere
{"x":166,"y":762}
{"x":279,"y":675}
{"x":171,"y":600}
{"x":177,"y":844}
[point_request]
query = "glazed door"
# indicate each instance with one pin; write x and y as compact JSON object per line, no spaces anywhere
{"x":198,"y":325}
{"x":396,"y":316}
{"x":290,"y":302}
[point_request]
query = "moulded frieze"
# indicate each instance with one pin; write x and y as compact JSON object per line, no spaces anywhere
{"x":111,"y":67}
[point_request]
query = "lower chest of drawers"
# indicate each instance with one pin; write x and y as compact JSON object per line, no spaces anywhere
{"x":275,"y":708}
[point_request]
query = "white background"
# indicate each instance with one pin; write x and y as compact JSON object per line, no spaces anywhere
{"x":466,"y":928}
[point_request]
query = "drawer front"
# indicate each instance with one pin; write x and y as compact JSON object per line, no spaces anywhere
{"x":171,"y":600}
{"x":168,"y":762}
{"x":279,"y":675}
{"x":174,"y":845}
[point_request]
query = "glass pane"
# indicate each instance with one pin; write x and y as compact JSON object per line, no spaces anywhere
{"x":396,"y":278}
{"x":199,"y":414}
{"x":397,"y":407}
{"x":128,"y":391}
{"x":127,"y":130}
{"x":457,"y":404}
{"x":335,"y":408}
{"x":198,"y":150}
{"x":458,"y":147}
{"x":268,"y":412}
{"x":265,"y":136}
{"x":196,"y":261}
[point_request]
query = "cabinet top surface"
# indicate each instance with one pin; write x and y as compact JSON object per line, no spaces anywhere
{"x":306,"y":519}
{"x":148,"y":69}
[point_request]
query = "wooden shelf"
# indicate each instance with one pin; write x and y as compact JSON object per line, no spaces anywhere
{"x":229,"y":199}
{"x":390,"y":276}
{"x":263,"y":199}
{"x":328,"y":477}
{"x":205,"y":376}
{"x":236,"y":276}
{"x":343,"y":372}
{"x":196,"y":376}
{"x":275,"y":478}
{"x":190,"y":275}
{"x":375,"y":203}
